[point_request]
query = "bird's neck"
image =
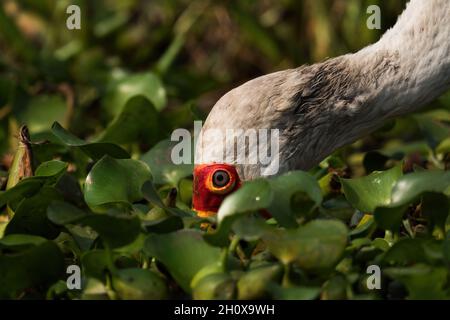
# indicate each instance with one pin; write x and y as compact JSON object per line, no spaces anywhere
{"x":411,"y":62}
{"x":355,"y":93}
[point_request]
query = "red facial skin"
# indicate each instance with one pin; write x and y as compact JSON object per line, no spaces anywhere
{"x":207,"y":198}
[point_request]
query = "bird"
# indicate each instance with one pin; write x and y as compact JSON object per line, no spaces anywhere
{"x":319,"y":108}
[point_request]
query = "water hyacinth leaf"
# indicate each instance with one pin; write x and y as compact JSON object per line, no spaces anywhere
{"x":184,"y":248}
{"x":53,"y":168}
{"x":255,"y":283}
{"x":139,"y":284}
{"x":25,"y":188}
{"x":94,"y":150}
{"x":18,"y":242}
{"x":250,"y":228}
{"x":31,"y":215}
{"x":62,"y":213}
{"x":116,"y":230}
{"x":147,"y":84}
{"x":316,"y":245}
{"x":434,"y":130}
{"x":96,"y":263}
{"x":48,"y":173}
{"x":164,"y":169}
{"x":422,"y":281}
{"x":115,"y":182}
{"x":406,"y":252}
{"x":410,"y":186}
{"x":407,"y":190}
{"x":367,"y":193}
{"x":41,"y":264}
{"x":284,"y":188}
{"x":149,"y":192}
{"x":138,"y":121}
{"x":216,"y":286}
{"x":163,"y":225}
{"x":252,"y":196}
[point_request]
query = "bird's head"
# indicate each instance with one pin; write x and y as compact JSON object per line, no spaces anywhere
{"x":212,"y":183}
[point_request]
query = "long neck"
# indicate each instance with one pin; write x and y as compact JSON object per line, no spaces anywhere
{"x":355,"y":93}
{"x":415,"y":55}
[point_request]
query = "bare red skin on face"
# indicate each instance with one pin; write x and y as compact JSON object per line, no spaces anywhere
{"x":205,"y":198}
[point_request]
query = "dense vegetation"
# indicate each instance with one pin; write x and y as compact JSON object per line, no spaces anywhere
{"x":92,"y":184}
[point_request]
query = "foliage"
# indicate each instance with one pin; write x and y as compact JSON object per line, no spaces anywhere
{"x":100,"y":106}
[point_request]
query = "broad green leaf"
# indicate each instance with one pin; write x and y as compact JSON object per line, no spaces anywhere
{"x":139,"y":284}
{"x":115,"y":182}
{"x":51,"y":168}
{"x":146,"y":84}
{"x":47,"y":174}
{"x":31,"y":215}
{"x":367,"y":193}
{"x":39,"y":265}
{"x":137,"y":122}
{"x":317,"y":245}
{"x":95,"y":150}
{"x":252,"y":196}
{"x":285,"y":188}
{"x":422,"y":281}
{"x":216,"y":286}
{"x":115,"y":230}
{"x":20,"y":241}
{"x":96,"y":263}
{"x":407,"y":190}
{"x":434,"y":131}
{"x":183,"y":253}
{"x":164,"y":170}
{"x":255,"y":283}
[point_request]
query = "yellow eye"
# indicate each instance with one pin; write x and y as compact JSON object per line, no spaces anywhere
{"x":220,"y":178}
{"x":220,"y":181}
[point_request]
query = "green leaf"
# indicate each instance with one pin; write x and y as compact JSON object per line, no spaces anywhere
{"x":255,"y":283}
{"x":95,"y":150}
{"x":252,"y":196}
{"x":31,"y":215}
{"x":20,"y":241}
{"x":183,"y":253}
{"x":47,"y":174}
{"x":315,"y":246}
{"x":367,"y":193}
{"x":139,"y":284}
{"x":422,"y":281}
{"x":138,"y":121}
{"x":116,"y":230}
{"x":434,"y":130}
{"x":38,"y":265}
{"x":164,"y":170}
{"x":216,"y":286}
{"x":146,"y":84}
{"x":115,"y":182}
{"x":285,"y":188}
{"x":407,"y":190}
{"x":53,"y":168}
